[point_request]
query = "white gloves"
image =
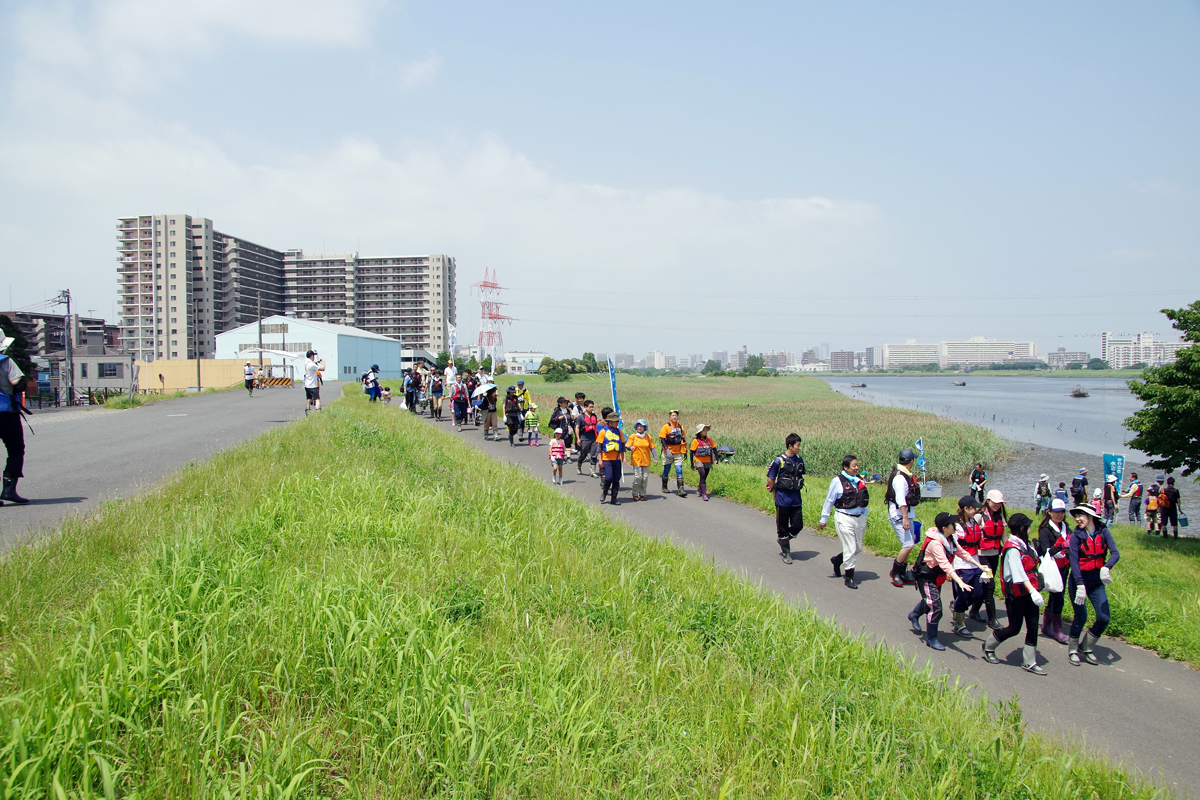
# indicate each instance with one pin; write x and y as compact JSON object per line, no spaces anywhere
{"x":1105,"y":576}
{"x":1037,"y":598}
{"x":1080,"y":595}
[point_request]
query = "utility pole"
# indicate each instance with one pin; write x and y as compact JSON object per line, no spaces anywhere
{"x":66,"y":376}
{"x":196,"y":340}
{"x":260,"y":359}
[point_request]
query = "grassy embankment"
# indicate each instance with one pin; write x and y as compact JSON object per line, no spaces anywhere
{"x":138,"y":400}
{"x":1154,"y":600}
{"x":358,"y":605}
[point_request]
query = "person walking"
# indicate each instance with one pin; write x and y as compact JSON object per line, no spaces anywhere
{"x":460,"y":400}
{"x":512,"y":414}
{"x":673,"y":439}
{"x":785,"y":480}
{"x":610,"y":441}
{"x":1042,"y":494}
{"x":1053,"y":535}
{"x":995,"y":519}
{"x":1134,"y":493}
{"x":701,"y":457}
{"x":412,"y":387}
{"x":1093,"y":555}
{"x":1112,"y":495}
{"x":586,"y":425}
{"x":248,"y":375}
{"x":524,"y":399}
{"x":1168,"y":507}
{"x":902,"y":495}
{"x":979,"y":479}
{"x":530,"y":422}
{"x":558,"y":456}
{"x":437,"y":390}
{"x":848,"y":498}
{"x":491,"y":425}
{"x":933,"y":569}
{"x":371,"y":383}
{"x":1079,"y":486}
{"x":1022,"y":595}
{"x":312,"y":381}
{"x":577,"y":409}
{"x":640,"y":448}
{"x":968,"y":537}
{"x":12,"y":389}
{"x":560,"y":417}
{"x":1152,"y":526}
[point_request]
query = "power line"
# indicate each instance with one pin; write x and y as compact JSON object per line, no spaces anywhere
{"x":849,"y":314}
{"x":842,"y":298}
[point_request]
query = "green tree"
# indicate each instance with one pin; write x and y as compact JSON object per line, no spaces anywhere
{"x":589,"y":363}
{"x":1075,"y":365}
{"x":764,"y":373}
{"x":501,"y":370}
{"x":18,"y":351}
{"x":472,"y":364}
{"x":753,"y":365}
{"x":487,"y":364}
{"x":1139,"y":365}
{"x":460,"y":364}
{"x":1097,"y":363}
{"x":443,"y":360}
{"x":556,"y":374}
{"x":547,"y":364}
{"x":1168,"y":426}
{"x":710,"y":366}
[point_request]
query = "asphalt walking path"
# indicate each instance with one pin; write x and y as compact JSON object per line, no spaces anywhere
{"x":1141,"y":710}
{"x":77,"y":458}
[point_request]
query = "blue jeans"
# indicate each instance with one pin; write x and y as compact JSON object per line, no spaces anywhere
{"x":1135,"y":509}
{"x":1099,"y":597}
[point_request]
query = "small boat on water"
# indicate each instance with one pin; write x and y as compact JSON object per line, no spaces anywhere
{"x":1079,"y":391}
{"x":958,"y":383}
{"x":858,"y":386}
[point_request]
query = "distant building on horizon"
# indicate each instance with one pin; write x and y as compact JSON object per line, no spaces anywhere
{"x":1061,"y":357}
{"x":874,"y":357}
{"x":978,"y":351}
{"x":523,"y":362}
{"x":841,"y":361}
{"x":1122,"y":352}
{"x":722,"y":356}
{"x":910,"y":354}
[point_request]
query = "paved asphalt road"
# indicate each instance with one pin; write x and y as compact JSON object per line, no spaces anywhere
{"x":1139,"y":708}
{"x":78,"y":458}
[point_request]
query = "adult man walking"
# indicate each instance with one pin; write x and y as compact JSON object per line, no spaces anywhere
{"x":312,"y":381}
{"x":523,"y":400}
{"x":248,"y":374}
{"x":785,"y":479}
{"x":1134,"y":493}
{"x":12,"y":386}
{"x":848,"y":494}
{"x":902,"y":496}
{"x":674,"y":442}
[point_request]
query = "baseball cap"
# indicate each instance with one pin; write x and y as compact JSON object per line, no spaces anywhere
{"x":907,"y":455}
{"x":1058,"y":504}
{"x":967,"y":501}
{"x":521,"y":382}
{"x":996,"y":496}
{"x":1019,"y":521}
{"x":944,"y":520}
{"x":673,"y":411}
{"x":559,"y":431}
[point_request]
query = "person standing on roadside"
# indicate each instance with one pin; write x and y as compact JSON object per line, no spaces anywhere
{"x":640,"y":448}
{"x":312,"y":381}
{"x":1168,"y":507}
{"x":1042,"y":494}
{"x":1053,"y":535}
{"x":1152,"y":526}
{"x":1093,"y":555}
{"x":586,"y":425}
{"x":702,"y":456}
{"x":848,"y":495}
{"x":1022,"y":595}
{"x":1111,"y":498}
{"x":902,"y":496}
{"x":785,"y":480}
{"x":12,"y":388}
{"x":933,"y":569}
{"x":1134,"y":493}
{"x":1079,"y":486}
{"x":524,"y":399}
{"x":995,"y":519}
{"x":979,"y":479}
{"x":371,"y":383}
{"x":673,"y":441}
{"x":248,"y":374}
{"x":611,"y":444}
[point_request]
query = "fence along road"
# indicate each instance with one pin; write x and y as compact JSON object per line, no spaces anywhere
{"x":79,"y":457}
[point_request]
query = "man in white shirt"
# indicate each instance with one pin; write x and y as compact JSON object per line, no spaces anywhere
{"x":902,"y":495}
{"x":12,"y":384}
{"x":248,"y":374}
{"x":313,"y":366}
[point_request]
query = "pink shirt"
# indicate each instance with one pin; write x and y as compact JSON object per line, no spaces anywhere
{"x":558,"y":449}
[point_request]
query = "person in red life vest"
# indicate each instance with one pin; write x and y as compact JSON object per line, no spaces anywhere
{"x":1093,"y":555}
{"x":1022,"y":598}
{"x":932,"y":569}
{"x":1053,"y":534}
{"x":968,"y":535}
{"x":848,"y":494}
{"x":995,"y":517}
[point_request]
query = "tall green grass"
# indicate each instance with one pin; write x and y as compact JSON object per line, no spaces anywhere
{"x":754,"y":415}
{"x":359,"y":606}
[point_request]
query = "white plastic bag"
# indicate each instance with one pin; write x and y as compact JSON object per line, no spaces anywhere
{"x":1051,"y":577}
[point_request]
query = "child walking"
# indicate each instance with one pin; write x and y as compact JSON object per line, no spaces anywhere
{"x":558,"y":456}
{"x":531,"y":426}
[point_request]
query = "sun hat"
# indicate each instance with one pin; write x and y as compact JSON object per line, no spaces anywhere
{"x":968,"y":501}
{"x":996,"y":496}
{"x":613,"y":417}
{"x":1086,"y":509}
{"x":1058,"y":504}
{"x":1097,"y":493}
{"x":944,"y":519}
{"x":1110,"y":478}
{"x":641,"y":422}
{"x":533,"y":405}
{"x":6,"y":342}
{"x":700,"y":428}
{"x":673,"y":411}
{"x":1043,"y":477}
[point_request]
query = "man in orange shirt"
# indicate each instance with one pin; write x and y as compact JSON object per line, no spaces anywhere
{"x":674,"y":442}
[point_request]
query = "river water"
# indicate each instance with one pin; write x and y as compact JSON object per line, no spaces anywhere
{"x":1057,"y":433}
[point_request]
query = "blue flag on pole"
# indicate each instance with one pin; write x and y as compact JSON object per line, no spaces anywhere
{"x":920,"y":446}
{"x":612,"y":380}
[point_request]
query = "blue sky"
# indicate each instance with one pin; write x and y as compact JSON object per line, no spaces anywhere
{"x":682,"y":177}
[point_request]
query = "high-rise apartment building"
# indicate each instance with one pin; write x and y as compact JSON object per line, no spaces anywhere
{"x":874,"y":357}
{"x":842,"y":360}
{"x":721,"y":356}
{"x":909,"y":354}
{"x":182,"y":282}
{"x":1122,"y":352}
{"x":978,"y":351}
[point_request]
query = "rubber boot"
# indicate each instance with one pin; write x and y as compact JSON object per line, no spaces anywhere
{"x":989,"y":649}
{"x":837,"y":565}
{"x":960,"y":625}
{"x":1058,"y":634}
{"x":785,"y":550}
{"x":914,"y":619}
{"x":679,"y":487}
{"x":897,"y":571}
{"x":1073,"y":651}
{"x":1029,"y":661}
{"x":849,"y":580}
{"x":1047,"y":624}
{"x":9,"y":495}
{"x":1085,"y":648}
{"x":931,"y":639}
{"x":665,"y":487}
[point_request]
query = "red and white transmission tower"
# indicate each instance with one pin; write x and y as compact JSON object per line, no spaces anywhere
{"x":490,"y":317}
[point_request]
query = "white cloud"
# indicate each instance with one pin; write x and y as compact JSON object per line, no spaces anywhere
{"x":420,"y":72}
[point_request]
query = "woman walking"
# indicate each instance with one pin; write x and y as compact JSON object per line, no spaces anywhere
{"x":460,"y":399}
{"x":932,"y":569}
{"x":1042,"y":494}
{"x":1093,"y":555}
{"x":1053,"y":534}
{"x":640,"y":449}
{"x":1019,"y":581}
{"x":995,"y":517}
{"x":849,"y":496}
{"x":512,"y":414}
{"x":702,"y":456}
{"x":968,"y":536}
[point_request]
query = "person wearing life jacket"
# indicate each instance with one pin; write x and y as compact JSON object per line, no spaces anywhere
{"x":1152,"y":525}
{"x":437,"y":390}
{"x":524,"y":398}
{"x":1020,"y":582}
{"x":460,"y":399}
{"x":902,"y":496}
{"x":586,"y":425}
{"x":1042,"y":494}
{"x":12,"y":389}
{"x":702,"y":456}
{"x":848,"y":496}
{"x":674,"y":442}
{"x":610,"y":441}
{"x":994,"y":520}
{"x":512,"y":414}
{"x":1053,"y":534}
{"x":933,"y":568}
{"x":1169,"y":507}
{"x":1112,"y":495}
{"x":1079,"y":486}
{"x":968,"y":536}
{"x":1134,"y":493}
{"x":979,"y":479}
{"x":785,"y":480}
{"x":1093,"y":555}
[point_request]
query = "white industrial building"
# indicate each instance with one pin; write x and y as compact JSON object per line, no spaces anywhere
{"x":523,"y":362}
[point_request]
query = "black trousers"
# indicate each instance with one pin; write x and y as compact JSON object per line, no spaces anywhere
{"x":789,"y":521}
{"x":1021,"y":611}
{"x":989,"y":587}
{"x":14,"y":442}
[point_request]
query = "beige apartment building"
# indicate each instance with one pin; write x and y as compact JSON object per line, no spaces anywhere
{"x":181,"y":282}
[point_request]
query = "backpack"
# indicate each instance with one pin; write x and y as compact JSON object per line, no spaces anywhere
{"x":1163,"y":500}
{"x":1077,"y":485}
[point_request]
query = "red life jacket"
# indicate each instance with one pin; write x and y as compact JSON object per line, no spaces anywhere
{"x":1063,"y":558}
{"x":1029,"y":563}
{"x":970,"y":538}
{"x":993,"y":532}
{"x":588,"y":423}
{"x":1093,"y":552}
{"x":923,"y":572}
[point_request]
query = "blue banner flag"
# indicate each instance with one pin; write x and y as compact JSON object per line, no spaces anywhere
{"x":612,"y":380}
{"x":920,"y":446}
{"x":1114,"y":465}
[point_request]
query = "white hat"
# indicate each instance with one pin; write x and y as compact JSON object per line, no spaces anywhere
{"x":1097,"y":493}
{"x":700,"y":428}
{"x":559,"y":430}
{"x":6,"y":342}
{"x":1044,"y":477}
{"x":1058,"y":504}
{"x":1110,"y":478}
{"x":1086,"y":509}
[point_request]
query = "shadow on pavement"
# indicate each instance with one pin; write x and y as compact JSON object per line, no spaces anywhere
{"x":53,"y":501}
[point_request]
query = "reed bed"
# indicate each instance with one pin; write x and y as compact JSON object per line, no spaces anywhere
{"x":360,"y":606}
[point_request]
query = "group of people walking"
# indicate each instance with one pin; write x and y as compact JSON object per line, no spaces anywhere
{"x":1161,"y":500}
